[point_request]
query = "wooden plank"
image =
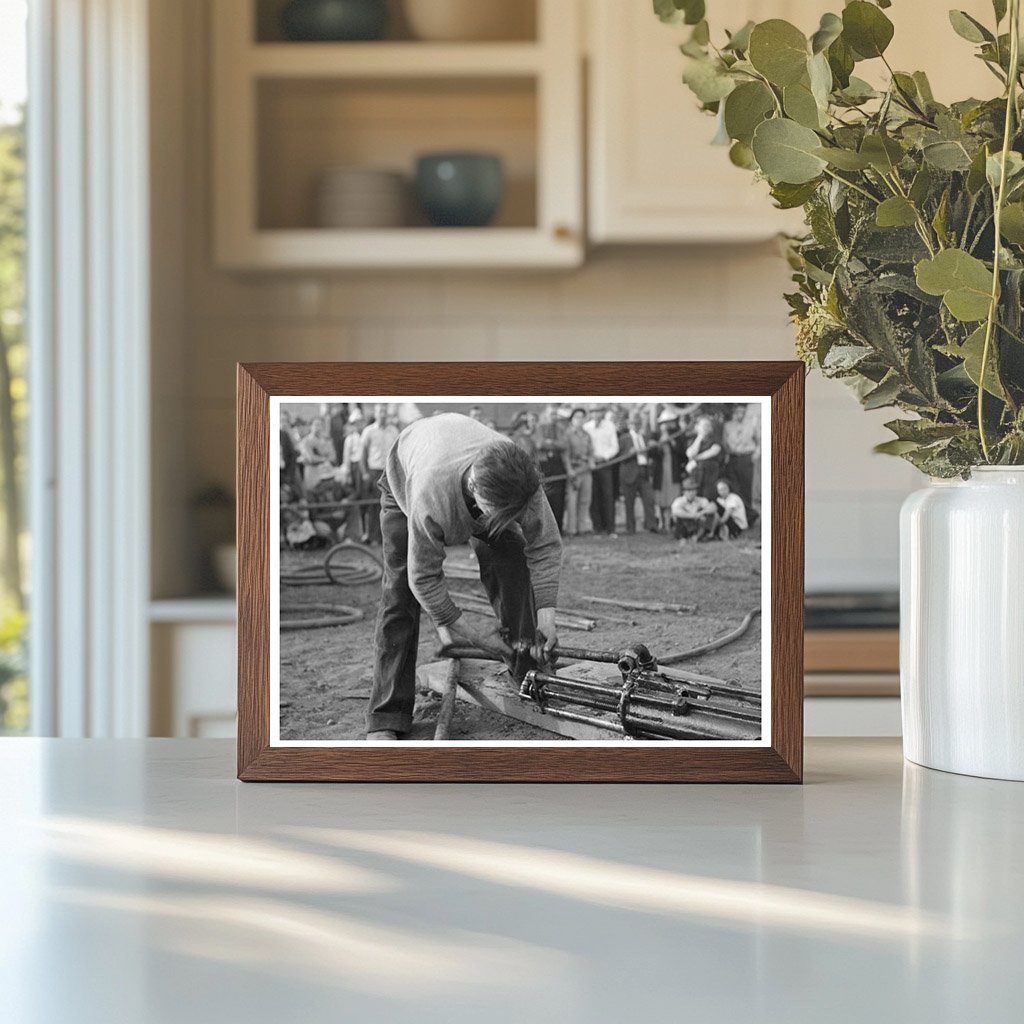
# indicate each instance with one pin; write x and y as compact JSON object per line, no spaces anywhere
{"x":852,"y":650}
{"x":488,"y":686}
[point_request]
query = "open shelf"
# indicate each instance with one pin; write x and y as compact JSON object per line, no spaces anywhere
{"x":393,"y":60}
{"x":286,"y":114}
{"x":308,"y":127}
{"x":520,"y":14}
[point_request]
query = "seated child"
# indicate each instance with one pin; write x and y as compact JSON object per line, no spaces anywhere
{"x":691,"y":514}
{"x":731,"y":518}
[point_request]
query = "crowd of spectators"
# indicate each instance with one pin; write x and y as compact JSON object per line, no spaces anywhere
{"x":691,"y":469}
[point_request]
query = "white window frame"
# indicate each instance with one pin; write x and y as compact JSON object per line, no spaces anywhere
{"x":89,"y":331}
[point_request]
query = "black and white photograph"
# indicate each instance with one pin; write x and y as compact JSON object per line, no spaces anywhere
{"x":519,"y":571}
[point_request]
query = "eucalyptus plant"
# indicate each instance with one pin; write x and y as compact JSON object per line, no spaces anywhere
{"x":910,"y":278}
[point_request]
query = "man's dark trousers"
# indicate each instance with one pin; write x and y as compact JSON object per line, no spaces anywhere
{"x":371,"y":516}
{"x":635,"y":481}
{"x":505,"y":576}
{"x":555,"y":490}
{"x":602,"y":504}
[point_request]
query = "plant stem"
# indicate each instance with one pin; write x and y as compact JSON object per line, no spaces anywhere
{"x":1000,"y":198}
{"x":922,"y":225}
{"x":855,"y":187}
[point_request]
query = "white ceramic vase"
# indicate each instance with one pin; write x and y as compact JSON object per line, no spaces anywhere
{"x":962,"y":624}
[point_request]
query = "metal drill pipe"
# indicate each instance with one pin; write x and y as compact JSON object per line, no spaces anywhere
{"x":644,"y":728}
{"x":571,"y":653}
{"x":700,"y":694}
{"x":613,"y":693}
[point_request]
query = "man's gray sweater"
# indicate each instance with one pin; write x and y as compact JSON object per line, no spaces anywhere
{"x":425,"y":472}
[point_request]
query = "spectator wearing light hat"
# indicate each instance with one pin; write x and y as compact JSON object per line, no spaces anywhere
{"x":692,"y":514}
{"x":666,"y":462}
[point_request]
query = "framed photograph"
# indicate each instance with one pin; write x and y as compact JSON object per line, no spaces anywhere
{"x":520,"y":572}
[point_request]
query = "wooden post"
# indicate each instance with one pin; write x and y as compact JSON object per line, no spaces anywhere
{"x":447,"y":711}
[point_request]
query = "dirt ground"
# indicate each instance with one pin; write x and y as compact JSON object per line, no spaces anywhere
{"x":326,"y":673}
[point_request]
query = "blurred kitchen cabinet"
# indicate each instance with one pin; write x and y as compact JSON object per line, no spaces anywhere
{"x":286,"y":114}
{"x":653,"y":175}
{"x":192,"y":651}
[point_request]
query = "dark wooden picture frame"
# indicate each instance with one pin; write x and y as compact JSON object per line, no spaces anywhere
{"x":781,"y":760}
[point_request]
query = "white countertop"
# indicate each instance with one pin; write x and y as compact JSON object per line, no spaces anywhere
{"x":142,"y":884}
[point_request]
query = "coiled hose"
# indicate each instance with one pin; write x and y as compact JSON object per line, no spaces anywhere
{"x":337,"y":569}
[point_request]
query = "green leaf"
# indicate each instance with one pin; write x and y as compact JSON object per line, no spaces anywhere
{"x":745,"y":108}
{"x":883,"y":153}
{"x":906,"y":89}
{"x":885,"y":394}
{"x":896,"y":212}
{"x":1012,"y":225}
{"x":841,"y":60}
{"x":830,"y":29}
{"x":939,"y":220}
{"x":947,"y":156}
{"x":785,"y":152}
{"x":800,"y":105}
{"x":895,"y":447}
{"x":721,"y":137}
{"x":679,"y":12}
{"x":858,"y":91}
{"x":976,"y":174}
{"x":994,"y":167}
{"x":921,"y":185}
{"x":701,"y":33}
{"x":708,"y":80}
{"x":923,"y":431}
{"x":971,"y":352}
{"x":820,"y":76}
{"x":969,"y":28}
{"x":778,"y":50}
{"x":963,"y":281}
{"x":999,"y":6}
{"x":844,"y":159}
{"x":789,"y":197}
{"x":924,"y":87}
{"x":739,"y":41}
{"x":866,"y":29}
{"x":741,"y":155}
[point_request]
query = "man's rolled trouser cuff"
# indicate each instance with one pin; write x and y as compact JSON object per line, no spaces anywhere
{"x":381,"y":722}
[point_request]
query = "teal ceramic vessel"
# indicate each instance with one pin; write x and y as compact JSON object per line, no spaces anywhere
{"x":334,"y":21}
{"x":461,"y":190}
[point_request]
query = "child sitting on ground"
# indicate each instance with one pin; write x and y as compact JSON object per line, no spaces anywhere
{"x":731,"y":518}
{"x":691,"y":514}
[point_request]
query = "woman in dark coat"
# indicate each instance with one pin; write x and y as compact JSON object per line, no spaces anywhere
{"x":667,"y":465}
{"x":705,"y":457}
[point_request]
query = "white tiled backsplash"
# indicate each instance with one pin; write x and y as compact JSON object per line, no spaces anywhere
{"x":700,"y":303}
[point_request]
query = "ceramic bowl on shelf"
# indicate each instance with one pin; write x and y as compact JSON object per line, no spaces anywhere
{"x":361,"y":198}
{"x":333,"y":21}
{"x":460,"y":189}
{"x":471,"y":20}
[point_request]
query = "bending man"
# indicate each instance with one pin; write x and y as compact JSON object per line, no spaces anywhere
{"x":448,"y":480}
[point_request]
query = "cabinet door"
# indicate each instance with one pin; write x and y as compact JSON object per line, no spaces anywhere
{"x":654,"y":175}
